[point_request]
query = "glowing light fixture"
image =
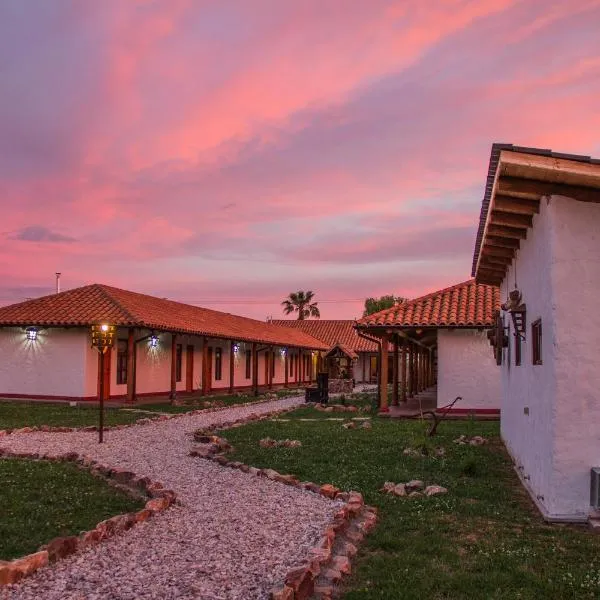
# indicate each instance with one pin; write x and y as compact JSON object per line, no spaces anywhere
{"x":104,"y":327}
{"x":236,"y":348}
{"x":153,"y":341}
{"x":31,"y":333}
{"x":283,"y":351}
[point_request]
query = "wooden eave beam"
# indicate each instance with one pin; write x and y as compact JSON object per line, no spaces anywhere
{"x":521,"y":187}
{"x":503,"y":231}
{"x":507,"y":219}
{"x":497,"y":251}
{"x":492,"y":240}
{"x":490,"y":259}
{"x":517,"y":206}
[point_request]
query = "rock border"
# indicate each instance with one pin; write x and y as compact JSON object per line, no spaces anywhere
{"x":159,"y":500}
{"x":140,"y":421}
{"x":329,"y":560}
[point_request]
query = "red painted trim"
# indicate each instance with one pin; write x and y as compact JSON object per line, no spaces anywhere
{"x":468,"y":411}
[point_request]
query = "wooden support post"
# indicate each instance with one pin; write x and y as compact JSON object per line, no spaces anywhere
{"x":383,"y":373}
{"x":173,"y":393}
{"x":231,"y":366}
{"x":205,"y":367}
{"x":302,"y":364}
{"x":364,"y":361}
{"x":254,"y":369}
{"x":404,"y":382}
{"x":395,"y":373}
{"x":131,"y":348}
{"x":409,"y":362}
{"x":286,"y":367}
{"x":271,"y":366}
{"x":421,"y":357}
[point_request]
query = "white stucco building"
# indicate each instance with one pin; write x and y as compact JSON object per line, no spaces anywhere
{"x":540,"y":234}
{"x":440,"y":338}
{"x":161,"y":348}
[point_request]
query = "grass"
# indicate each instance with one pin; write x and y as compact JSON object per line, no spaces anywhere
{"x":29,"y":414}
{"x":42,"y":500}
{"x":484,"y":539}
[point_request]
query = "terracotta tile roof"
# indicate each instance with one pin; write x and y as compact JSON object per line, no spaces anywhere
{"x":94,"y":304}
{"x":466,"y":304}
{"x":332,"y":332}
{"x":345,"y":349}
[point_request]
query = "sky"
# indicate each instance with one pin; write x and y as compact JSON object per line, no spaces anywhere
{"x":226,"y":153}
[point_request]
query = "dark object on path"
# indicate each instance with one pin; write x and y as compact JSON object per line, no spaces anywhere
{"x":319,"y":393}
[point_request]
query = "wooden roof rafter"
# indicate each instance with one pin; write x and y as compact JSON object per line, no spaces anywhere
{"x":518,"y":178}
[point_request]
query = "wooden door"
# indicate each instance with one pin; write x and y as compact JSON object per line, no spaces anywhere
{"x":189,"y":369}
{"x":209,"y":370}
{"x":106,"y":373}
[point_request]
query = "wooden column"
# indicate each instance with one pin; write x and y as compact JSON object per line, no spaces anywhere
{"x":286,"y":368}
{"x":131,"y":348}
{"x":271,"y":365}
{"x":404,"y":382}
{"x":411,"y":370}
{"x":254,"y":369}
{"x":364,"y":360}
{"x":420,"y":368}
{"x":302,"y":365}
{"x":395,"y":372}
{"x":173,"y":393}
{"x":231,"y":366}
{"x":383,"y":377}
{"x":205,"y":367}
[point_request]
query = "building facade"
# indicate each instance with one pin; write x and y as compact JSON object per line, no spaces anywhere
{"x":541,"y":217}
{"x":161,"y":348}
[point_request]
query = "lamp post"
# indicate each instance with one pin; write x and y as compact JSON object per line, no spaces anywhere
{"x":103,"y":338}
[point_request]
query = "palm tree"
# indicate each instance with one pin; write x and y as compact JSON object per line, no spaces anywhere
{"x":301,"y":302}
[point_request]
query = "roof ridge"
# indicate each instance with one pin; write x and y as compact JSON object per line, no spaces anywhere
{"x":106,"y":291}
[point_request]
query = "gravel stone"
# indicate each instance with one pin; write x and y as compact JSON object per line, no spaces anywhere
{"x":233,"y":537}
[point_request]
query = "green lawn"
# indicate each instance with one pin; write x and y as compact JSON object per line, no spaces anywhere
{"x":484,"y":539}
{"x":42,"y":500}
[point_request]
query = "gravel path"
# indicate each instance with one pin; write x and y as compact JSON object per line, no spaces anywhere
{"x":234,"y":537}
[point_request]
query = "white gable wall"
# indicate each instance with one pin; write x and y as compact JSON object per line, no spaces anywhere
{"x":467,"y":368}
{"x":557,"y":270}
{"x":52,"y":365}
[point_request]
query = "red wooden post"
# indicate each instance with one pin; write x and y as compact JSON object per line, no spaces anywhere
{"x":395,"y":372}
{"x":404,"y":382}
{"x":254,"y":369}
{"x":131,"y":365}
{"x":285,"y":367}
{"x":173,"y":393}
{"x":383,"y":379}
{"x":231,"y":365}
{"x":205,"y":367}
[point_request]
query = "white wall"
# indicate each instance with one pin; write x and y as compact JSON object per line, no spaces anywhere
{"x":52,"y":365}
{"x":558,"y":270}
{"x":467,"y":368}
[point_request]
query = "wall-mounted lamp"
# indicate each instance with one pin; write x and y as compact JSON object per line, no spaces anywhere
{"x":31,"y":333}
{"x":283,"y":351}
{"x":236,"y":348}
{"x":153,"y":341}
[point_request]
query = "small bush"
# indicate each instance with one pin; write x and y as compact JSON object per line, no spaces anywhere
{"x":469,"y":467}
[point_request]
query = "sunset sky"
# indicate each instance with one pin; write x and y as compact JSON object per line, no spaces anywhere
{"x":226,"y":153}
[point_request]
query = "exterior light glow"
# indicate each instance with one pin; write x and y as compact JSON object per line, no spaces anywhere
{"x":31,"y":334}
{"x":283,"y":351}
{"x":153,"y":341}
{"x":104,"y":327}
{"x":236,"y":348}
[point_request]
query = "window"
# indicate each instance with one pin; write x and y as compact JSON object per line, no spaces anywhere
{"x":178,"y":357}
{"x":122,"y":359}
{"x":536,"y":342}
{"x":218,"y":364}
{"x":248,"y":363}
{"x":517,"y":350}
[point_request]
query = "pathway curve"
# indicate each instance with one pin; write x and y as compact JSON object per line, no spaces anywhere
{"x":234,"y":537}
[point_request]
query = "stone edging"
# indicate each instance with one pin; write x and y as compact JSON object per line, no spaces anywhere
{"x":329,"y":560}
{"x":141,"y":421}
{"x":60,"y":547}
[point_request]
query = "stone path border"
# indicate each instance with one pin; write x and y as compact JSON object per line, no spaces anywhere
{"x":159,"y":499}
{"x":330,"y":559}
{"x":143,"y":421}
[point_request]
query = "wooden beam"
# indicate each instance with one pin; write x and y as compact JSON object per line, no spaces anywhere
{"x":395,"y":373}
{"x":491,"y":259}
{"x":507,"y":219}
{"x":492,"y":240}
{"x":131,"y":356}
{"x":497,"y":251}
{"x":502,"y":231}
{"x":518,"y":206}
{"x":231,"y":366}
{"x":404,"y":359}
{"x":383,"y":380}
{"x":173,"y":393}
{"x":519,"y":187}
